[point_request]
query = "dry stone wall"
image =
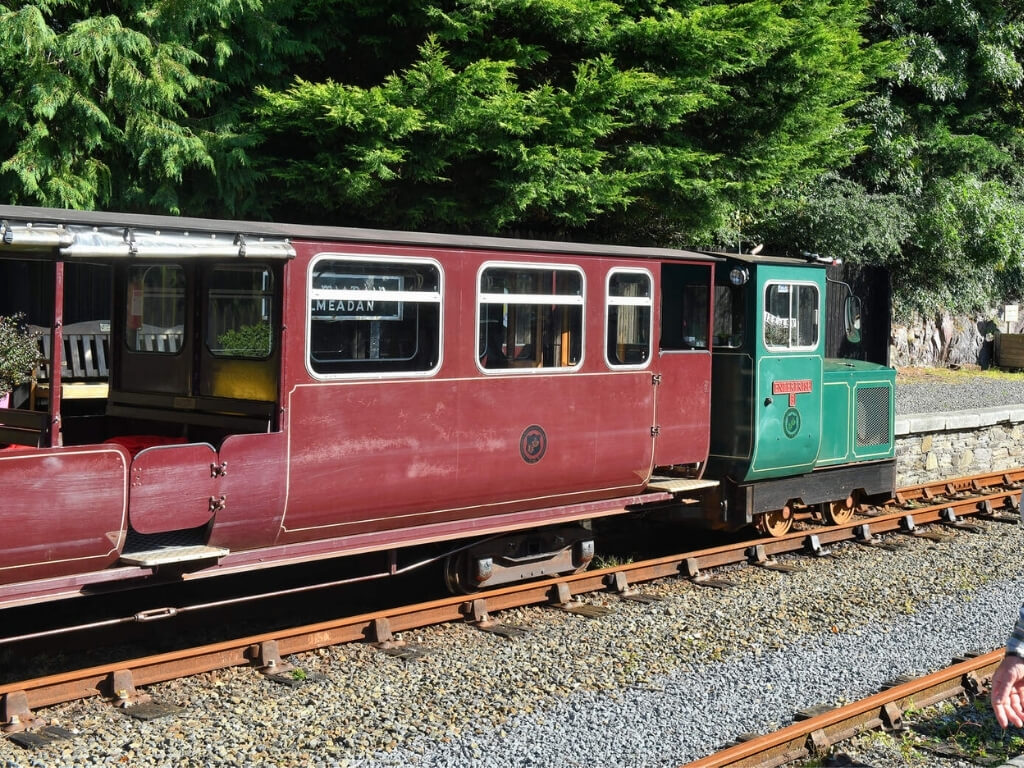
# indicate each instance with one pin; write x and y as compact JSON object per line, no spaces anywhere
{"x":933,"y":447}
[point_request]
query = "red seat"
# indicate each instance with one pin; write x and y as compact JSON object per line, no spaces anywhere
{"x":135,"y":443}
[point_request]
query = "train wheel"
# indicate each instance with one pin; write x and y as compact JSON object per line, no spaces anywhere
{"x":455,"y":576}
{"x":838,"y":512}
{"x":775,"y":523}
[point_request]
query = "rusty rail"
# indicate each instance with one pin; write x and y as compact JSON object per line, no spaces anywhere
{"x":19,"y":699}
{"x":815,"y":734}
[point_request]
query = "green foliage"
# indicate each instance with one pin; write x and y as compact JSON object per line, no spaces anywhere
{"x":131,"y":105}
{"x":838,"y":218}
{"x":245,"y":341}
{"x":633,"y":120}
{"x":19,"y":352}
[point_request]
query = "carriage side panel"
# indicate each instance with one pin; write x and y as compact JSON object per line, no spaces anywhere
{"x":64,"y":511}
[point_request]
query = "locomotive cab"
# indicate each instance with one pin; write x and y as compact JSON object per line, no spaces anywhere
{"x":792,"y":432}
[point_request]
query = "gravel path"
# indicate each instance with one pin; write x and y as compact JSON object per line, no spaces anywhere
{"x":933,"y":394}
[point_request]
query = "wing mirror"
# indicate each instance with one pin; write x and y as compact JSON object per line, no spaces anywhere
{"x":852,"y":312}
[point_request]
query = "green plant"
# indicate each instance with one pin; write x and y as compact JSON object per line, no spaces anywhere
{"x":245,"y":341}
{"x":19,"y":352}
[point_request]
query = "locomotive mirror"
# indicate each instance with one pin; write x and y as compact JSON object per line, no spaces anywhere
{"x":853,"y":319}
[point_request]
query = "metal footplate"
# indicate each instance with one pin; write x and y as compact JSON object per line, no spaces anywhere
{"x":679,"y":485}
{"x":154,"y":558}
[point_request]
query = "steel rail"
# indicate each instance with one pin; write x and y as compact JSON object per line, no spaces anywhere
{"x":118,"y":680}
{"x":815,"y":734}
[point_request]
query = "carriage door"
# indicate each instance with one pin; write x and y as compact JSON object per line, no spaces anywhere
{"x":237,"y":357}
{"x":684,"y":394}
{"x":239,"y":362}
{"x":789,"y":372}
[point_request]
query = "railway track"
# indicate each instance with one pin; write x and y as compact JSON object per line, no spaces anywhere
{"x":814,"y":733}
{"x":949,"y":503}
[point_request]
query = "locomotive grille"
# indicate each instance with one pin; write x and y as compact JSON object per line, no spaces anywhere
{"x":872,"y":416}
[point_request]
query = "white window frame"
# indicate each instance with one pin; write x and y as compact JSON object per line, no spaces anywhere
{"x":817,"y":316}
{"x":420,"y":297}
{"x":627,"y":301}
{"x":530,"y":299}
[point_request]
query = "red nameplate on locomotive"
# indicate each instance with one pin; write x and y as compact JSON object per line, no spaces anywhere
{"x":792,"y":388}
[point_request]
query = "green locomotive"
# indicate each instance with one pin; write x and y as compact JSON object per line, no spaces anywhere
{"x":792,"y":432}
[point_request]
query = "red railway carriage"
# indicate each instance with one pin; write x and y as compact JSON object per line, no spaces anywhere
{"x":283,"y":393}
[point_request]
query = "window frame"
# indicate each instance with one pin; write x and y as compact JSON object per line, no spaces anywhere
{"x":817,"y":310}
{"x":621,"y":301}
{"x":266,"y":295}
{"x":530,"y":299}
{"x":188,"y":276}
{"x":432,"y":297}
{"x":737,"y":307}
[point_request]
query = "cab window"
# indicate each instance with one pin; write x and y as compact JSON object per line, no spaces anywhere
{"x":374,"y":316}
{"x":730,"y":315}
{"x":530,"y":317}
{"x":790,"y":316}
{"x":629,"y":318}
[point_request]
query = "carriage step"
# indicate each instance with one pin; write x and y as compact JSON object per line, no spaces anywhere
{"x":153,"y":558}
{"x":679,"y":484}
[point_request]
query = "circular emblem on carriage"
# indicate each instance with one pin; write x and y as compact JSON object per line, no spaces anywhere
{"x":533,"y":444}
{"x":791,"y":422}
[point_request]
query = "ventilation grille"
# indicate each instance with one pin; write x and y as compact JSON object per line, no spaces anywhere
{"x":872,"y":416}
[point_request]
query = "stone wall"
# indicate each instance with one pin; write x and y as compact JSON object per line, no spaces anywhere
{"x":939,"y":446}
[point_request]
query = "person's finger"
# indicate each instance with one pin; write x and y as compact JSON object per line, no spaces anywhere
{"x":1009,"y":712}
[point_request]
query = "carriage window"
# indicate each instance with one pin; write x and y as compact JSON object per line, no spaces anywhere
{"x":530,"y":317}
{"x":790,"y":316}
{"x":239,"y":303}
{"x":729,"y":316}
{"x":629,"y":318}
{"x":155,"y":305}
{"x":371,"y":317}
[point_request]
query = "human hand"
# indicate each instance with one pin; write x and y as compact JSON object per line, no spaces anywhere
{"x":1008,"y":692}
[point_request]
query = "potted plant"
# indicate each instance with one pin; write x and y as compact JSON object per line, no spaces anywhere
{"x":19,"y":354}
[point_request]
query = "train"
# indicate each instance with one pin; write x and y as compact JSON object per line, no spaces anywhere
{"x":266,"y":394}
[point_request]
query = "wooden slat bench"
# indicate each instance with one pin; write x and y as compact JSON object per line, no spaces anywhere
{"x":83,"y":369}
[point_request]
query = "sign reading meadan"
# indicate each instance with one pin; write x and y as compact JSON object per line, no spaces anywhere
{"x":349,"y":308}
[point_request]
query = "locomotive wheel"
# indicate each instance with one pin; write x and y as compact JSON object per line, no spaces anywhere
{"x":774,"y":523}
{"x":838,"y":512}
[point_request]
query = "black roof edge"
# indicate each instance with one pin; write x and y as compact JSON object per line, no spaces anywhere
{"x":17,"y":213}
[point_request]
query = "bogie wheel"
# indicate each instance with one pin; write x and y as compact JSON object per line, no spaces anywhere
{"x":455,"y":578}
{"x":838,"y":512}
{"x":774,"y":523}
